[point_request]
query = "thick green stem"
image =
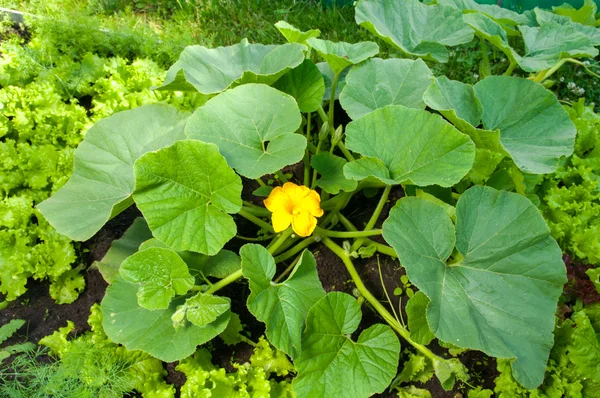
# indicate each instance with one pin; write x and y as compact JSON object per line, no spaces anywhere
{"x":510,"y":68}
{"x":303,"y":244}
{"x":224,"y":282}
{"x":345,"y":151}
{"x":381,"y":248}
{"x":543,"y":75}
{"x":281,"y":176}
{"x":484,"y":53}
{"x":280,"y":240}
{"x":244,"y":212}
{"x":256,"y":210}
{"x":260,"y":182}
{"x":336,"y":78}
{"x":3,"y":305}
{"x":377,"y":306}
{"x":350,"y":234}
{"x":371,"y":223}
{"x":307,"y":153}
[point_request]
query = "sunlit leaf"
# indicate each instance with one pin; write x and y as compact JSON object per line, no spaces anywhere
{"x":340,"y":55}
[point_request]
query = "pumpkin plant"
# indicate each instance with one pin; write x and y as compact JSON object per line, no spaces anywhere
{"x":488,"y":272}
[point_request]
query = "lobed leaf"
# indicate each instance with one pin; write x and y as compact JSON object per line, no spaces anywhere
{"x":340,"y":55}
{"x":331,"y":364}
{"x":201,"y":310}
{"x":253,"y":126}
{"x":102,"y":181}
{"x":500,"y":291}
{"x":295,"y":35}
{"x":185,"y":192}
{"x":331,"y":169}
{"x":306,"y":84}
{"x":281,"y":306}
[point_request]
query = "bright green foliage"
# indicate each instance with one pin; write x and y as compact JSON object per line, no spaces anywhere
{"x":571,"y":195}
{"x":416,"y":310}
{"x":499,"y":14}
{"x":456,"y":101}
{"x":407,"y":25}
{"x":534,"y":129}
{"x":254,"y":127}
{"x":232,"y":333}
{"x":127,"y":323}
{"x":340,"y":55}
{"x":201,"y":309}
{"x":295,"y":35}
{"x":102,"y":180}
{"x":586,"y":15}
{"x":185,"y":192}
{"x":88,"y":366}
{"x":380,"y":82}
{"x":415,"y":369}
{"x":331,"y":169}
{"x":306,"y":84}
{"x":160,"y":274}
{"x":200,"y":68}
{"x":328,"y":76}
{"x":281,"y":306}
{"x":401,"y":144}
{"x":413,"y":392}
{"x":544,"y":17}
{"x":507,"y":272}
{"x":331,"y":364}
{"x":122,"y":248}
{"x":253,"y":379}
{"x":6,"y":332}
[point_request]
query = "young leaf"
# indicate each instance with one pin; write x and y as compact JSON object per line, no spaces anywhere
{"x":544,"y":17}
{"x":200,"y":68}
{"x":305,"y":83}
{"x":281,"y":306}
{"x":6,"y":331}
{"x":122,"y":248}
{"x":417,"y":320}
{"x":501,"y":15}
{"x":185,"y":192}
{"x":232,"y":333}
{"x":340,"y":55}
{"x":499,"y":294}
{"x":408,"y":145}
{"x":102,"y":180}
{"x":413,"y":27}
{"x":254,"y":127}
{"x":380,"y":82}
{"x":534,"y":128}
{"x":160,"y":274}
{"x":295,"y":35}
{"x":137,"y":328}
{"x":331,"y":364}
{"x":331,"y":169}
{"x":201,"y":310}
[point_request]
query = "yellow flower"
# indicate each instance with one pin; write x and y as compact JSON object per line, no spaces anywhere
{"x":296,"y":205}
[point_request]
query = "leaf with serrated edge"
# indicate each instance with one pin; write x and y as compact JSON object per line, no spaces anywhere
{"x":331,"y":364}
{"x":295,"y":35}
{"x":340,"y":55}
{"x":331,"y":169}
{"x":160,"y":274}
{"x":281,"y":306}
{"x":254,"y":127}
{"x":501,"y":297}
{"x":213,"y":70}
{"x":102,"y":181}
{"x":201,"y":309}
{"x":137,"y":328}
{"x":534,"y":128}
{"x":401,"y":144}
{"x":380,"y":82}
{"x":413,"y":27}
{"x":185,"y":193}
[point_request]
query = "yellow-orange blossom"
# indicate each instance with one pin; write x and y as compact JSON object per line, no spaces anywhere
{"x":296,"y":205}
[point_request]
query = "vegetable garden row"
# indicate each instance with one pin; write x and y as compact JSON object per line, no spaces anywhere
{"x":310,"y":219}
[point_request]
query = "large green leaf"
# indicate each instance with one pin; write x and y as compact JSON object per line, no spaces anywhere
{"x":331,"y":364}
{"x":340,"y":55}
{"x":493,"y":32}
{"x":281,"y":306}
{"x":212,"y":70}
{"x":499,"y":14}
{"x":306,"y":84}
{"x":544,"y":17}
{"x":534,"y":128}
{"x":201,"y":310}
{"x":102,"y":180}
{"x":585,"y":15}
{"x":160,"y":274}
{"x":331,"y":169}
{"x":548,"y":44}
{"x":499,"y":292}
{"x":122,"y":248}
{"x":413,"y":27}
{"x":380,"y":82}
{"x":185,"y":192}
{"x":401,"y":144}
{"x":137,"y":328}
{"x":295,"y":35}
{"x":253,"y":125}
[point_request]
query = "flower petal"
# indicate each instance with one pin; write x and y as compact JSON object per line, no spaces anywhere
{"x":312,"y":204}
{"x":278,"y":200}
{"x":304,"y":224}
{"x":295,"y":192}
{"x":281,"y":220}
